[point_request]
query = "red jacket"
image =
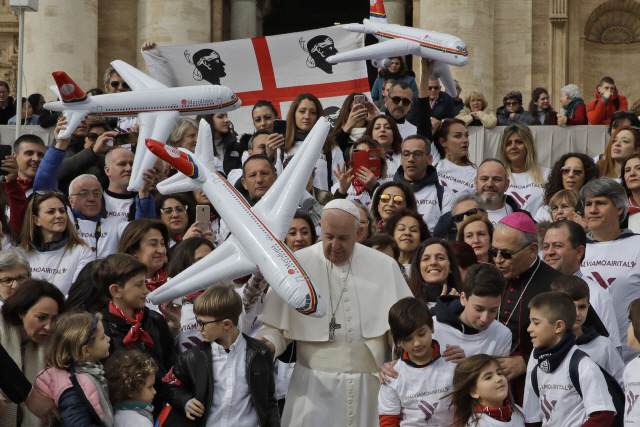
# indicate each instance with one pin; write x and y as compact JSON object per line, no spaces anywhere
{"x":599,"y":112}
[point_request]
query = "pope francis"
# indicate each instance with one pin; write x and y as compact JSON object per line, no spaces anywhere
{"x":335,"y":381}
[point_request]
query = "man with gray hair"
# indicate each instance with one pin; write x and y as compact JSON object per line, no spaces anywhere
{"x":612,"y":257}
{"x":334,"y":381}
{"x":461,"y":208}
{"x":515,"y":251}
{"x":14,"y":271}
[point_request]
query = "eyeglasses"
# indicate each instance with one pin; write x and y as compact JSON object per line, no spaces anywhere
{"x":116,"y":84}
{"x":177,"y":209}
{"x":563,"y":207}
{"x":19,"y":279}
{"x":460,"y":217}
{"x":434,"y":87}
{"x":405,"y":101}
{"x":505,"y":254}
{"x":200,"y":324}
{"x":397,"y":200}
{"x":366,"y":222}
{"x":92,"y":136}
{"x":566,"y":170}
{"x":86,"y":194}
{"x":509,"y":103}
{"x":416,"y":154}
{"x":4,"y":92}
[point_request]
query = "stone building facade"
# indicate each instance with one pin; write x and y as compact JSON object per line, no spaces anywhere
{"x":513,"y":44}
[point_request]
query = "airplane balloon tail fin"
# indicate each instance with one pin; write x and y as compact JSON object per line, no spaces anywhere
{"x":377,"y":13}
{"x":69,"y":90}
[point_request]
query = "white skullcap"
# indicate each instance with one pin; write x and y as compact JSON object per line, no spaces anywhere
{"x":344,"y":205}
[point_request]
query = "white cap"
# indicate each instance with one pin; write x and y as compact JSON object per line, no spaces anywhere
{"x":344,"y":205}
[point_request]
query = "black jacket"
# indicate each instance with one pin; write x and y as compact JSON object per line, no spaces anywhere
{"x":233,"y":157}
{"x":79,"y":160}
{"x":519,"y":116}
{"x":190,"y":367}
{"x":443,"y":107}
{"x":164,"y":351}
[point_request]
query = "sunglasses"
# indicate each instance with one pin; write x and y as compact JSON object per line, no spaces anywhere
{"x":460,"y":217}
{"x":385,"y":198}
{"x":405,"y":101}
{"x":505,"y":254}
{"x":566,"y":170}
{"x":116,"y":84}
{"x":434,"y":87}
{"x":200,"y":324}
{"x":512,"y":103}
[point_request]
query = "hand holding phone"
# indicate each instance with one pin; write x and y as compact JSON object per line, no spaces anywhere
{"x":280,"y":126}
{"x":203,"y":217}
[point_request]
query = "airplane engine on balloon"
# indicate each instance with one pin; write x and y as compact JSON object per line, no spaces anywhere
{"x":381,"y":62}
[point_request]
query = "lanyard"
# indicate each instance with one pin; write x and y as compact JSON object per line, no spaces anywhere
{"x":96,"y":234}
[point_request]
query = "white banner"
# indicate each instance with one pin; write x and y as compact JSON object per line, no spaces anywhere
{"x":274,"y":68}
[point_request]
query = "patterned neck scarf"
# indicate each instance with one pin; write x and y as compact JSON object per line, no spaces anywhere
{"x":159,"y":279}
{"x":633,"y":206}
{"x":25,"y":183}
{"x":500,"y":414}
{"x":136,"y":332}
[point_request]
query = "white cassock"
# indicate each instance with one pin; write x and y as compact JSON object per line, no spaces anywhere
{"x":335,"y":383}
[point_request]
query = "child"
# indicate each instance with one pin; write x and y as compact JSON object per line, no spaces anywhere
{"x":414,"y":398}
{"x":469,"y":320}
{"x":228,"y":356}
{"x":481,"y":395}
{"x":131,"y":375}
{"x":73,"y":368}
{"x":127,"y":320}
{"x":552,"y":315}
{"x":600,"y":349}
{"x":632,"y":371}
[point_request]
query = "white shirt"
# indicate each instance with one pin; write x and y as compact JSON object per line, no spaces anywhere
{"x":320,"y":178}
{"x":60,"y":267}
{"x":129,"y":418}
{"x":498,"y":214}
{"x":494,"y":340}
{"x":219,"y":149}
{"x":392,"y":167}
{"x":602,"y":303}
{"x":484,"y":420}
{"x":459,"y":179}
{"x":559,"y":404}
{"x":632,"y":393}
{"x":111,"y":230}
{"x":429,"y":207}
{"x":528,"y":194}
{"x":117,"y":207}
{"x":231,"y":405}
{"x":603,"y":352}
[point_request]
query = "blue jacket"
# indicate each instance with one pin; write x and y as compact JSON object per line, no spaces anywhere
{"x":376,"y":90}
{"x":76,"y":411}
{"x":46,"y":179}
{"x":32,"y":121}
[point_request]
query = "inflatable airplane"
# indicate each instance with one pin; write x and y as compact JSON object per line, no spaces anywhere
{"x":399,"y":40}
{"x":156,"y":105}
{"x":257,"y":233}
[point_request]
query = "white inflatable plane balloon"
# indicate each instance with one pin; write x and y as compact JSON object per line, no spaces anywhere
{"x":156,"y":105}
{"x":399,"y":40}
{"x":256,"y":237}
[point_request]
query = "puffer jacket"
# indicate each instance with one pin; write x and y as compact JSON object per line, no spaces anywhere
{"x":599,"y":112}
{"x":186,"y":381}
{"x":56,"y":384}
{"x":486,"y":118}
{"x":505,"y":119}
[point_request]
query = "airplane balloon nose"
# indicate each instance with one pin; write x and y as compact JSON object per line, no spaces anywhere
{"x":176,"y":158}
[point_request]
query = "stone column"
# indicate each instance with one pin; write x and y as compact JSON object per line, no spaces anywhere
{"x":217,"y":22}
{"x":61,"y":36}
{"x":243,"y":19}
{"x":473,"y":22}
{"x":117,"y":34}
{"x":559,"y":46}
{"x":395,"y":11}
{"x":173,"y":22}
{"x":416,"y":24}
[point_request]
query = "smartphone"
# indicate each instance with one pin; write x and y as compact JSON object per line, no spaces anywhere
{"x":280,"y":126}
{"x":369,"y":159}
{"x":5,"y":150}
{"x":203,"y":216}
{"x":359,"y":99}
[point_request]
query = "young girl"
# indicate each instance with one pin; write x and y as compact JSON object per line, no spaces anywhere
{"x":481,"y":395}
{"x":73,"y":367}
{"x":631,"y":375}
{"x":131,"y":375}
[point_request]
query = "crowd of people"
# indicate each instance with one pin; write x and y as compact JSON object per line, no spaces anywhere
{"x":457,"y":294}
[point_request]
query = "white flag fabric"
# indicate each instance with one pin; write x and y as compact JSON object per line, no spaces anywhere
{"x":273,"y":68}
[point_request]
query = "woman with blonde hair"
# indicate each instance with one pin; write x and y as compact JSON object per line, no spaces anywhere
{"x":184,"y":134}
{"x":527,"y":177}
{"x":563,"y":204}
{"x":54,"y":250}
{"x":476,"y":111}
{"x":624,"y":142}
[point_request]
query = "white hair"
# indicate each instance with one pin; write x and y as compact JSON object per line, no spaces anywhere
{"x":572,"y":91}
{"x":78,"y":178}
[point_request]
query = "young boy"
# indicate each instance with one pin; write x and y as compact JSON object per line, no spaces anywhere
{"x":414,"y":398}
{"x":126,"y":319}
{"x":600,"y":349}
{"x":552,"y":315}
{"x":469,"y":320}
{"x":228,"y":379}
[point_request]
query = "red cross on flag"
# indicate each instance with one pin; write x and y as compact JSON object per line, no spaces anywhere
{"x":273,"y":68}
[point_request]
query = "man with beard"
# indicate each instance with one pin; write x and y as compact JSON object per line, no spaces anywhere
{"x":209,"y":66}
{"x":491,"y":183}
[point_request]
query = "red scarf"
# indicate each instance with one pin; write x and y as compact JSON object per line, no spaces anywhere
{"x":358,"y":186}
{"x":136,"y":327}
{"x":500,"y":414}
{"x":159,"y":279}
{"x":25,"y":184}
{"x":633,"y":206}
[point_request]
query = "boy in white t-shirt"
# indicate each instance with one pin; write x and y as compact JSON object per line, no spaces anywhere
{"x":632,"y":371}
{"x":600,"y":349}
{"x":559,"y":404}
{"x":469,"y":320}
{"x":424,"y":377}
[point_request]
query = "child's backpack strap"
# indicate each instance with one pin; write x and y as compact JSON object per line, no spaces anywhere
{"x":574,"y":376}
{"x":95,"y":418}
{"x":534,"y":380}
{"x":440,"y":193}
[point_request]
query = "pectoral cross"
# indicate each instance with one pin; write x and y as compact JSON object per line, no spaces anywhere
{"x":332,"y":328}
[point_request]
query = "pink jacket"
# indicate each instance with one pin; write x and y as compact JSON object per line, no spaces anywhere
{"x":52,"y":382}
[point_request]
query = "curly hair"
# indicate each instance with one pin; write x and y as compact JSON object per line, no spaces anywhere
{"x":554,"y":182}
{"x":127,"y":372}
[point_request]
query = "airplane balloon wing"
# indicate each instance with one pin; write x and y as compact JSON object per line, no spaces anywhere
{"x":387,"y":49}
{"x":442,"y":71}
{"x":155,"y":125}
{"x":136,"y":78}
{"x":74,"y":118}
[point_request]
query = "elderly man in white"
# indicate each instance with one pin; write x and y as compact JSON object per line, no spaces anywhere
{"x":335,"y":381}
